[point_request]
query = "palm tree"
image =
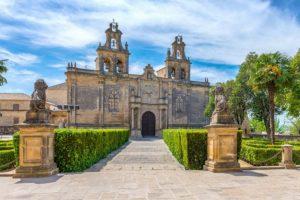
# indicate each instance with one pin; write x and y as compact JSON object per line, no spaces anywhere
{"x":3,"y":69}
{"x":271,"y":72}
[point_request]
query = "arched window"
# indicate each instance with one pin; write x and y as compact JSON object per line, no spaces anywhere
{"x":178,"y":54}
{"x":172,"y":73}
{"x":119,"y":66}
{"x":106,"y":65}
{"x":179,"y":104}
{"x":113,"y":101}
{"x":182,"y":74}
{"x":113,"y":43}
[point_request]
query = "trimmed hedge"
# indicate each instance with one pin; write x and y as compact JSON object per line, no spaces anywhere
{"x":189,"y":146}
{"x":78,"y":149}
{"x":7,"y":157}
{"x":257,"y":151}
{"x":16,"y":142}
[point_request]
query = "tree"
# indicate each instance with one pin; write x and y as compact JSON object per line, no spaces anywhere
{"x":294,"y":128}
{"x":257,"y":125}
{"x":256,"y":103}
{"x":3,"y":69}
{"x":272,"y":73}
{"x":293,"y":96}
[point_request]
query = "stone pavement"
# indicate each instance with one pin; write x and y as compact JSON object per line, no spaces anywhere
{"x":145,"y":170}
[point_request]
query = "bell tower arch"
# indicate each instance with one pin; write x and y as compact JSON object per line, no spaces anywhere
{"x":178,"y":66}
{"x":112,"y":57}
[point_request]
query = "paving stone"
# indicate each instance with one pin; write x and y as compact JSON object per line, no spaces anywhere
{"x":125,"y":175}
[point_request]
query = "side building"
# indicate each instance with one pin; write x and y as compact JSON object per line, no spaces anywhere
{"x":13,"y":108}
{"x":109,"y":96}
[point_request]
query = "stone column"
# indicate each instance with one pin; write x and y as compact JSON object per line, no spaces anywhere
{"x":287,"y":157}
{"x":132,"y":119}
{"x":36,"y":151}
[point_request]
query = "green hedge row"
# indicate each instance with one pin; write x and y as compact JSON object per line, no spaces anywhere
{"x":7,"y":157}
{"x":189,"y":146}
{"x":16,"y":142}
{"x":258,"y":151}
{"x":78,"y":149}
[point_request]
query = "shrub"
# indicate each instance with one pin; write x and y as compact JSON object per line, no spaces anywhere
{"x":259,"y":151}
{"x":239,"y":142}
{"x":7,"y":159}
{"x":188,"y":146}
{"x":16,"y":142}
{"x":78,"y":149}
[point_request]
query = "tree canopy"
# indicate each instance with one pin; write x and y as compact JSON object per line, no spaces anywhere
{"x":3,"y":69}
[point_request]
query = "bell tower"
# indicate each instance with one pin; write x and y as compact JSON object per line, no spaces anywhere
{"x":112,"y":57}
{"x":178,"y":66}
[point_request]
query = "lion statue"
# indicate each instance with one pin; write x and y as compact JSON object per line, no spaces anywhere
{"x":38,"y":97}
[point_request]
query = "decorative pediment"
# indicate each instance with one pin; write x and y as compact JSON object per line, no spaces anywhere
{"x":149,"y":73}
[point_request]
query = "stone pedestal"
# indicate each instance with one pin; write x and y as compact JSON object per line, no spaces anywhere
{"x":222,"y":148}
{"x":287,"y":157}
{"x":36,"y":151}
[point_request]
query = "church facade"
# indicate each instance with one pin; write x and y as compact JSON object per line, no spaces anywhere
{"x":109,"y":96}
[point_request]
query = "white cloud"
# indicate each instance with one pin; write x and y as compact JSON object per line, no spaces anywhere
{"x":213,"y":74}
{"x":21,"y":59}
{"x":222,"y":31}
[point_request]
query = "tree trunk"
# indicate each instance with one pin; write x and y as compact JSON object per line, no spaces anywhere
{"x":267,"y":125}
{"x":271,"y":90}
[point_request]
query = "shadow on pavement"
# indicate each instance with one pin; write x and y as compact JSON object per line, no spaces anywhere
{"x":41,"y":180}
{"x":149,"y":138}
{"x":248,"y":173}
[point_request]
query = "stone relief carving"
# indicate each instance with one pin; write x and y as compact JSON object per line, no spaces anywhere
{"x":148,"y":90}
{"x":132,"y":92}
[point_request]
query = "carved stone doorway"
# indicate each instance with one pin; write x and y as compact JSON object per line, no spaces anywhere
{"x":148,"y":124}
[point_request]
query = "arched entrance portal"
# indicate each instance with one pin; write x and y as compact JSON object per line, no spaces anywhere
{"x":148,"y":124}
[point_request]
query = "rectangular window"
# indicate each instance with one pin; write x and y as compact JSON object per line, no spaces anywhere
{"x":16,"y":120}
{"x":16,"y":107}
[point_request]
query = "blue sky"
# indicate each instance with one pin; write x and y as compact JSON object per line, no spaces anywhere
{"x":40,"y":37}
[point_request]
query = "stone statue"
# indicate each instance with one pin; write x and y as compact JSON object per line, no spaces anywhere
{"x":221,"y":114}
{"x":38,"y":97}
{"x":38,"y":112}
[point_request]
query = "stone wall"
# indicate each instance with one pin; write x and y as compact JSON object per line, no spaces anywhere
{"x":9,"y":116}
{"x":121,"y":100}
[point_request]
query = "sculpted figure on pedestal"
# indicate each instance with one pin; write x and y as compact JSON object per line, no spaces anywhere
{"x":221,"y":114}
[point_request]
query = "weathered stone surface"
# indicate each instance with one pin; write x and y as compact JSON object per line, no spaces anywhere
{"x":36,"y":151}
{"x":222,"y":148}
{"x":111,"y":97}
{"x":287,"y":157}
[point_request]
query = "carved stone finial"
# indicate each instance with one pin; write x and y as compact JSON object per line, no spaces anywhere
{"x":221,"y":114}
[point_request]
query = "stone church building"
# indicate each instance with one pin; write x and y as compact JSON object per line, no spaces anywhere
{"x":109,"y":96}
